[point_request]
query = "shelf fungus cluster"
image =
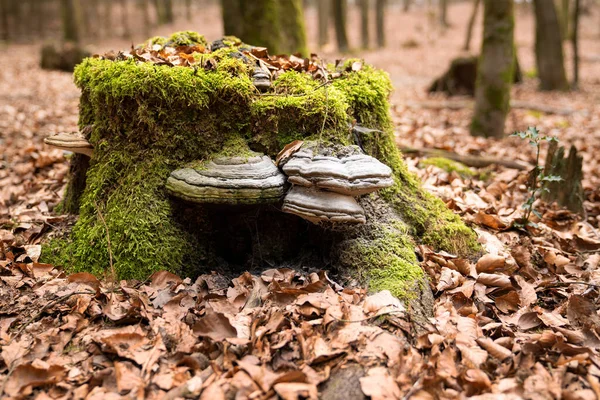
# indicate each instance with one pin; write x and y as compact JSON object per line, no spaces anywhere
{"x":326,"y":182}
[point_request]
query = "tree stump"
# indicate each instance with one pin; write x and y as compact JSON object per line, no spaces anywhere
{"x":163,"y":128}
{"x":568,"y":192}
{"x":460,"y":77}
{"x":62,"y":57}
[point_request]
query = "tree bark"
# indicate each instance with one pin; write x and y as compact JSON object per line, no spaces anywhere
{"x":188,"y":10}
{"x":548,"y":47}
{"x":276,"y":24}
{"x":575,"y":41}
{"x":380,"y":21}
{"x":324,"y":14}
{"x":125,"y":19}
{"x":364,"y":23}
{"x":495,"y":69}
{"x":340,"y":8}
{"x":564,"y":18}
{"x":469,"y":36}
{"x":169,"y":16}
{"x":4,"y":21}
{"x":69,"y":21}
{"x":406,"y":5}
{"x":144,"y":6}
{"x":108,"y":13}
{"x":443,"y":13}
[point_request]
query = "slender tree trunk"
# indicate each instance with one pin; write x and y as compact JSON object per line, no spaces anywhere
{"x":161,"y":16}
{"x":188,"y":10}
{"x":125,"y":19}
{"x":108,"y":14}
{"x":548,"y":47}
{"x":380,"y":6}
{"x":495,"y":69}
{"x":276,"y":24}
{"x":169,"y":16}
{"x":564,"y":18}
{"x":69,"y":21}
{"x":575,"y":41}
{"x":406,"y":5}
{"x":324,"y":15}
{"x":443,"y":13}
{"x":340,"y":16}
{"x":472,"y":19}
{"x":364,"y":23}
{"x":144,"y":6}
{"x":4,"y":21}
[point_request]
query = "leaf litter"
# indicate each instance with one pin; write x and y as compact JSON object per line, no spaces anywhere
{"x":521,"y":321}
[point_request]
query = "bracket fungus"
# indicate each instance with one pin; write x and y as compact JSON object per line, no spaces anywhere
{"x":350,"y":172}
{"x":319,"y":206}
{"x":229,"y":180}
{"x":73,"y":142}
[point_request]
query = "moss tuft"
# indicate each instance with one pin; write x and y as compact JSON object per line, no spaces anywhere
{"x":449,"y":166}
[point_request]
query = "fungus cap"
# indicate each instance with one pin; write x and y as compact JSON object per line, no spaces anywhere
{"x":351,"y":172}
{"x":73,"y":142}
{"x":229,"y":180}
{"x":318,"y":206}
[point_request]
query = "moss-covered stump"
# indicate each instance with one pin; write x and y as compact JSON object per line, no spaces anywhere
{"x":152,"y":118}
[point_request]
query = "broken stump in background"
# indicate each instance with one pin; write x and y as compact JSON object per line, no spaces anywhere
{"x":460,"y":77}
{"x":568,"y":192}
{"x":62,"y":57}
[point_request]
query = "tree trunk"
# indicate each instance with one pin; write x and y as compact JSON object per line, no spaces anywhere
{"x":575,"y":41}
{"x":324,"y":14}
{"x":406,"y":5}
{"x":161,"y":17}
{"x":444,"y":13}
{"x":69,"y":21}
{"x":188,"y":10}
{"x":169,"y":16}
{"x":548,"y":47}
{"x":340,"y":16}
{"x":469,"y":36}
{"x":495,"y":69}
{"x":564,"y":18}
{"x":292,"y":34}
{"x":276,"y":24}
{"x":4,"y":21}
{"x":144,"y":6}
{"x":380,"y":21}
{"x":108,"y":13}
{"x":125,"y":19}
{"x":364,"y":23}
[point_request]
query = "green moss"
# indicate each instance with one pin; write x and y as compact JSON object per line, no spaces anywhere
{"x":151,"y":119}
{"x":183,"y":38}
{"x":385,"y":259}
{"x":449,"y":166}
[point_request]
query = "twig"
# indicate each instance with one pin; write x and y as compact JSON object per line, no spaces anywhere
{"x":46,"y":307}
{"x":413,"y":389}
{"x":110,"y":257}
{"x":193,"y":387}
{"x":562,"y":284}
{"x":468,"y":160}
{"x":13,"y":366}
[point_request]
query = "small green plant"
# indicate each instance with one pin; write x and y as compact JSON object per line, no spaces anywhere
{"x":537,"y":178}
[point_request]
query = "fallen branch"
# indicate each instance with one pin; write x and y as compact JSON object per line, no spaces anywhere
{"x":470,"y":161}
{"x":517,"y":104}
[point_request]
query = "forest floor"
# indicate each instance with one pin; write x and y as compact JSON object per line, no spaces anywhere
{"x":520,"y":322}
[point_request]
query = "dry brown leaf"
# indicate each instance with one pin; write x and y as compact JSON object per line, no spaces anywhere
{"x":28,"y":376}
{"x":490,"y":263}
{"x":296,"y":391}
{"x":379,"y":385}
{"x":496,"y":280}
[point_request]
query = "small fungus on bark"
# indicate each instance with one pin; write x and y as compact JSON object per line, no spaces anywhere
{"x":73,"y":142}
